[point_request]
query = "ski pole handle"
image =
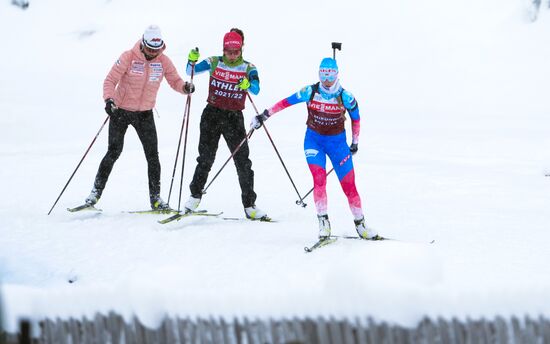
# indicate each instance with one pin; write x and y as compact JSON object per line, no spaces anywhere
{"x":335,"y":45}
{"x":193,"y":66}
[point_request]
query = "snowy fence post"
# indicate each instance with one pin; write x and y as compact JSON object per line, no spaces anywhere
{"x":3,"y":335}
{"x":25,"y":331}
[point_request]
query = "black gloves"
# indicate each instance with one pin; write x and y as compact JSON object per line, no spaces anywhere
{"x":353,"y":148}
{"x":188,"y":88}
{"x":110,"y":107}
{"x":258,"y":120}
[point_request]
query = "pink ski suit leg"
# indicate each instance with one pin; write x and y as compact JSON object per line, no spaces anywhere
{"x":350,"y":190}
{"x":319,"y":188}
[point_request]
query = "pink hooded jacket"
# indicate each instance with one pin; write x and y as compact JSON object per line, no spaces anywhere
{"x":133,"y":82}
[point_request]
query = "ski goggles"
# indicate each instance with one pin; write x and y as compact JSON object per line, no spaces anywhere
{"x":328,"y":75}
{"x":154,"y":44}
{"x":152,"y":51}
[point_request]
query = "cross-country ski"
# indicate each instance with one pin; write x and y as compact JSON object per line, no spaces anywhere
{"x":320,"y":243}
{"x":180,"y":216}
{"x":84,"y":207}
{"x":154,"y":211}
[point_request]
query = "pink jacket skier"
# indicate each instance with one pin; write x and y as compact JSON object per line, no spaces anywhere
{"x":130,"y":92}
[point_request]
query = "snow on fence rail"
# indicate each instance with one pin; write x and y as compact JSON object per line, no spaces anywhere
{"x":113,"y":329}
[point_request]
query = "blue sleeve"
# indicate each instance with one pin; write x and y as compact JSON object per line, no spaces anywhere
{"x":350,"y":104}
{"x":254,"y":81}
{"x":302,"y":95}
{"x":201,"y":67}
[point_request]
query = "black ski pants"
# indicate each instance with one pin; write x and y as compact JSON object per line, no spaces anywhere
{"x":217,"y":122}
{"x":144,"y":124}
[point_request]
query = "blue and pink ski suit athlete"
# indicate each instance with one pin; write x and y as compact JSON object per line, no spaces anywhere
{"x":326,"y":135}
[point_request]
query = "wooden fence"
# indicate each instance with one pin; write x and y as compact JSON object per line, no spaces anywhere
{"x":113,"y":329}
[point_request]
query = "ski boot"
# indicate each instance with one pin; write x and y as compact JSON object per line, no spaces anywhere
{"x":158,"y":204}
{"x":324,"y":226}
{"x":255,"y":213}
{"x":192,"y":204}
{"x":364,"y":231}
{"x":93,"y":197}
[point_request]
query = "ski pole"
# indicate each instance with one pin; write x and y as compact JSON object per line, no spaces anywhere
{"x":183,"y":125}
{"x":184,"y":146}
{"x":279,"y":155}
{"x":177,"y":152}
{"x":286,"y":170}
{"x":246,"y":138}
{"x":77,"y":166}
{"x":186,"y":131}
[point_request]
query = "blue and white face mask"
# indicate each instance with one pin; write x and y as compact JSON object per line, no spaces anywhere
{"x":328,"y":70}
{"x":329,"y":92}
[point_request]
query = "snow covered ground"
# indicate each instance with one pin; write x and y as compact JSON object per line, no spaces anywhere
{"x":454,"y":146}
